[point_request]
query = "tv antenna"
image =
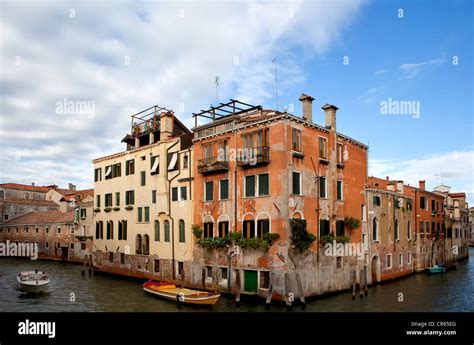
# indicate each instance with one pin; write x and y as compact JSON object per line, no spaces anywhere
{"x":276,"y":82}
{"x":217,"y":89}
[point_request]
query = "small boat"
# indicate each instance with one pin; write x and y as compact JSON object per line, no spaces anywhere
{"x":181,"y":295}
{"x":33,"y":281}
{"x":436,"y":269}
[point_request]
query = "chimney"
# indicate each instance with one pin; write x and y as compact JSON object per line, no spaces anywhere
{"x":388,"y":178}
{"x":32,"y":184}
{"x":307,"y":102}
{"x":422,"y":184}
{"x":400,"y":186}
{"x":330,"y":116}
{"x":166,"y":125}
{"x":72,"y":187}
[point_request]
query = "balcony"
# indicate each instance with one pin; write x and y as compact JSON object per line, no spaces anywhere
{"x":213,"y":164}
{"x":253,"y":157}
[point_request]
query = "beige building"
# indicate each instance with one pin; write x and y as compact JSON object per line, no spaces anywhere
{"x":143,"y":207}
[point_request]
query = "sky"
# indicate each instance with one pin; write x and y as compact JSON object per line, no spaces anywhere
{"x":400,"y":72}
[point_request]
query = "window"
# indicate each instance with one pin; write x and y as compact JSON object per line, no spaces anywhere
{"x":46,"y":244}
{"x":409,"y":258}
{"x":263,"y":227}
{"x":97,"y":201}
{"x":182,"y":235}
{"x":223,"y":189}
{"x":58,"y":230}
{"x":157,"y":266}
{"x":207,"y":151}
{"x":208,"y":229}
{"x":400,"y":259}
{"x":339,"y":262}
{"x":339,"y":228}
{"x":396,"y":230}
{"x":375,"y":230}
{"x":433,"y":207}
{"x":71,"y":229}
{"x":174,"y":194}
{"x":99,"y":230}
{"x":324,"y":227}
{"x":296,"y":140}
{"x":184,"y":193}
{"x":422,"y":227}
{"x":98,"y":174}
{"x":389,"y":261}
{"x":322,"y":187}
{"x":83,"y":213}
{"x":339,"y":152}
{"x":209,"y":272}
{"x":223,"y":228}
{"x":155,"y":165}
{"x":323,"y":149}
{"x":409,"y":206}
{"x":147,"y":214}
{"x":36,"y":230}
{"x":423,"y":203}
{"x":167,"y":231}
{"x":157,"y":231}
{"x":117,"y":170}
{"x":130,"y":167}
{"x":248,"y":230}
{"x":110,"y":230}
{"x":376,"y":200}
{"x":409,"y":230}
{"x":224,"y":273}
{"x":427,"y":228}
{"x":339,"y":190}
{"x":26,"y":230}
{"x":130,"y":197}
{"x":153,"y":196}
{"x":6,"y":217}
{"x":296,"y":179}
{"x":180,"y":267}
{"x":264,"y":280}
{"x":17,"y":230}
{"x":124,"y":230}
{"x":2,"y":194}
{"x":140,"y":214}
{"x":46,"y":229}
{"x":263,"y":184}
{"x":58,"y":245}
{"x":142,"y":178}
{"x":209,"y":191}
{"x":185,"y":161}
{"x":173,"y":161}
{"x":108,"y":200}
{"x":249,"y":186}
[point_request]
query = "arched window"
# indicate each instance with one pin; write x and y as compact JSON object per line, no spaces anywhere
{"x":396,"y":229}
{"x":157,"y":231}
{"x":181,"y":231}
{"x":146,"y":245}
{"x":167,"y":231}
{"x":374,"y":230}
{"x":27,"y":196}
{"x":138,"y":244}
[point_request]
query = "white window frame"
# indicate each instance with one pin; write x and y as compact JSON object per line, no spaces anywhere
{"x":58,"y":229}
{"x":391,"y":261}
{"x":342,"y":189}
{"x":205,"y":191}
{"x":409,"y":258}
{"x":400,"y":259}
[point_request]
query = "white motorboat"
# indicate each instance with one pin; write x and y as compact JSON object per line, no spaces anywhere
{"x":33,"y":281}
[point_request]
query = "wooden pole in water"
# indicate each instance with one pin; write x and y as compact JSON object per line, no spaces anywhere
{"x":237,"y":286}
{"x":353,"y":284}
{"x":182,"y":277}
{"x":270,"y":292}
{"x":365,"y":281}
{"x":361,"y":283}
{"x":203,"y":278}
{"x":229,"y":272}
{"x":287,"y":291}
{"x":300,"y":291}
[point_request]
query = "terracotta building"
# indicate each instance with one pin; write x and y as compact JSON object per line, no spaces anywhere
{"x":391,"y":218}
{"x":143,"y":200}
{"x":257,"y":170}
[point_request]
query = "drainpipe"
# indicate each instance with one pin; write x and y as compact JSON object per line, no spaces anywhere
{"x":169,"y":206}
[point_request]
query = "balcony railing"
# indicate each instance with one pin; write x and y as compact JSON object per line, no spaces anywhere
{"x":255,"y":156}
{"x":213,"y":164}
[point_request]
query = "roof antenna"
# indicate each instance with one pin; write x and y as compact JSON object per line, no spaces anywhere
{"x":276,"y":82}
{"x":217,"y":89}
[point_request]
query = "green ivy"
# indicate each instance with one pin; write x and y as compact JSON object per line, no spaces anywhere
{"x":352,"y":223}
{"x":236,"y":238}
{"x":300,"y":238}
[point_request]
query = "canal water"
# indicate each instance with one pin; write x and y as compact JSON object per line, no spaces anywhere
{"x":71,"y":291}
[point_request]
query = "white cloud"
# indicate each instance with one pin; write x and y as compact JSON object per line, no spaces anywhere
{"x":47,"y":56}
{"x":454,"y":169}
{"x":411,"y":70}
{"x":370,"y":96}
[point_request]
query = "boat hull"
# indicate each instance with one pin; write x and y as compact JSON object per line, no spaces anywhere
{"x":181,"y":295}
{"x":33,"y":282}
{"x":436,"y":270}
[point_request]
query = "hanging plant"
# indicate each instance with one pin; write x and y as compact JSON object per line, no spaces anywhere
{"x":300,"y":238}
{"x":352,"y":223}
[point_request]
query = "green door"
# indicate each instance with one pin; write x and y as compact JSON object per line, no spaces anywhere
{"x":250,"y":281}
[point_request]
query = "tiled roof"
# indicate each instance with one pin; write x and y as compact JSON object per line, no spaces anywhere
{"x":29,"y":202}
{"x":42,"y":189}
{"x":457,"y":195}
{"x":39,"y":218}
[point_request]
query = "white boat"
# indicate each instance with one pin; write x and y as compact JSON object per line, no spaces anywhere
{"x":33,"y":281}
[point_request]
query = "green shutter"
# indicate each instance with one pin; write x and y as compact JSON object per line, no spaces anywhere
{"x":157,"y":231}
{"x":181,"y":231}
{"x":250,"y":186}
{"x":263,"y":184}
{"x":140,"y":214}
{"x":147,"y":214}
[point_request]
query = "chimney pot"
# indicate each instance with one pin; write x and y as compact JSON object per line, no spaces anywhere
{"x":307,"y":102}
{"x":330,"y":116}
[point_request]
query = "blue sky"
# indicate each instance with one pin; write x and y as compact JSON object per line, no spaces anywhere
{"x":126,"y":56}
